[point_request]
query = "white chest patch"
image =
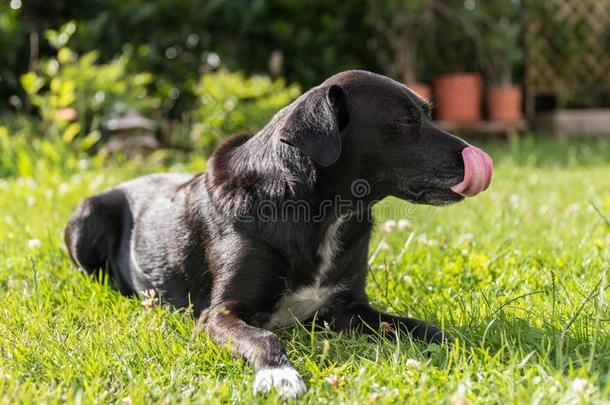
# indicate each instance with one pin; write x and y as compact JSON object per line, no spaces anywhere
{"x":302,"y":303}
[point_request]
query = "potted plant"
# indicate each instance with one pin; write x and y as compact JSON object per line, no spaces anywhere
{"x":458,"y":88}
{"x":500,"y":53}
{"x":458,"y":97}
{"x":400,"y":27}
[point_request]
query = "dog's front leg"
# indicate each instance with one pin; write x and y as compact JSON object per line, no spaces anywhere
{"x":260,"y":347}
{"x":366,"y":319}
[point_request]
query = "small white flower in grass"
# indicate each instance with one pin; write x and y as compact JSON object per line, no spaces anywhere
{"x":572,"y":209}
{"x":423,"y":240}
{"x":76,"y":179}
{"x":579,"y":391}
{"x":407,"y":279}
{"x":514,"y":200}
{"x":26,"y":182}
{"x":63,"y":188}
{"x":459,"y":398}
{"x":34,"y":244}
{"x":383,"y":246}
{"x":581,"y":387}
{"x":388,"y":226}
{"x":96,"y":183}
{"x":149,"y":298}
{"x":333,"y":381}
{"x":404,"y":224}
{"x":413,"y":364}
{"x":465,"y":238}
{"x":83,"y":164}
{"x":31,"y":200}
{"x":127,"y":400}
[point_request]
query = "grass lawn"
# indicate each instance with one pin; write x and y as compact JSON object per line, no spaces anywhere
{"x":519,"y":276}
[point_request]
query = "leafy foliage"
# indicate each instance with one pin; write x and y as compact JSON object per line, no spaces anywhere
{"x":23,"y":155}
{"x":75,"y":94}
{"x":230,"y":103}
{"x":498,"y":30}
{"x":14,"y":50}
{"x":178,"y":40}
{"x":401,"y":27}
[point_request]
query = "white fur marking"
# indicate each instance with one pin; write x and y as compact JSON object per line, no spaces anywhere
{"x":330,"y":244}
{"x":286,"y":380}
{"x":302,"y":303}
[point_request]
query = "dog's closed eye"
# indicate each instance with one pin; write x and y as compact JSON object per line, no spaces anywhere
{"x":399,"y":128}
{"x":411,"y":117}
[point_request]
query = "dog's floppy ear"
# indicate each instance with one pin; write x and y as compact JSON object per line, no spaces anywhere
{"x":314,"y":125}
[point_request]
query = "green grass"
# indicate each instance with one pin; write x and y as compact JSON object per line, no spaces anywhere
{"x":519,"y":276}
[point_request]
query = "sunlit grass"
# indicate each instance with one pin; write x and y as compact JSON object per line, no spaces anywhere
{"x":519,"y":276}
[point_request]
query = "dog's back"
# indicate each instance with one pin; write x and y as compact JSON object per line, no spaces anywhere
{"x":235,"y":240}
{"x":136,"y":233}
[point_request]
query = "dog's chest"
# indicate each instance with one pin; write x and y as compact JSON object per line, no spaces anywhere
{"x":303,"y":302}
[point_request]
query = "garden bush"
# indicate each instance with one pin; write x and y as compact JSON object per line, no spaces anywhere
{"x":231,"y":103}
{"x":173,"y":39}
{"x":25,"y":155}
{"x":75,"y":95}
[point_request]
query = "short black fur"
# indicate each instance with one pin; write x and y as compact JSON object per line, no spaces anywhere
{"x":207,"y":240}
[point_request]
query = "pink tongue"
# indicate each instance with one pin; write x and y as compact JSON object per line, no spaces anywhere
{"x":478,"y":169}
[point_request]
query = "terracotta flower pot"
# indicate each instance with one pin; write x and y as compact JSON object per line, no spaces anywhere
{"x":458,"y":97}
{"x":421,"y":89}
{"x":504,"y":103}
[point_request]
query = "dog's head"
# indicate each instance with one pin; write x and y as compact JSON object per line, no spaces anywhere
{"x":360,"y":125}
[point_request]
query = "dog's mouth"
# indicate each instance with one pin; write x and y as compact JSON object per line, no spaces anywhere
{"x":478,"y":171}
{"x":431,"y":196}
{"x":447,"y":188}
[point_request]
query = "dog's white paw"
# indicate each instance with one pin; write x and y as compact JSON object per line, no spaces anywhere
{"x":286,"y":380}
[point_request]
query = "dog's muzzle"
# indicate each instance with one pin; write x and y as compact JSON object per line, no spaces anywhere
{"x":478,"y":170}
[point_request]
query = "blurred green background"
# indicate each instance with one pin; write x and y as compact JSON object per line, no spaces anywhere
{"x":204,"y":69}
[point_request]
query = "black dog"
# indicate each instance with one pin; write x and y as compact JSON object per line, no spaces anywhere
{"x":278,"y":228}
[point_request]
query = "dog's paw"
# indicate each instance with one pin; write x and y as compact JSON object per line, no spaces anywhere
{"x":286,"y":380}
